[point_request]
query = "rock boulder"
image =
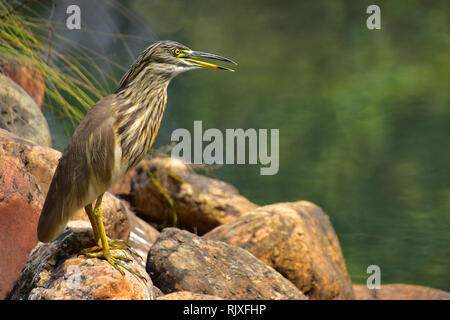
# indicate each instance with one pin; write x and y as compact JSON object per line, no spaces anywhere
{"x":26,"y":76}
{"x":56,"y":271}
{"x":26,"y":170}
{"x":20,"y":114}
{"x":182,"y":261}
{"x":200,"y":203}
{"x":20,"y":207}
{"x":296,"y":239}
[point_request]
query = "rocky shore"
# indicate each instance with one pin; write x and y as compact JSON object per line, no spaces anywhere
{"x":222,"y":247}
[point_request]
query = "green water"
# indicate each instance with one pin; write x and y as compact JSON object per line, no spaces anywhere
{"x":364,"y":116}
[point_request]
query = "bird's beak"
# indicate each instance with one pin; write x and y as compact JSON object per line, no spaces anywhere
{"x":189,"y":56}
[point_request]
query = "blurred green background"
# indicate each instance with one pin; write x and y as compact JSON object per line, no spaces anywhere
{"x":364,"y":115}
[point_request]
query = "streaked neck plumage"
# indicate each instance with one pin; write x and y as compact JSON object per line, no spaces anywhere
{"x":141,"y":104}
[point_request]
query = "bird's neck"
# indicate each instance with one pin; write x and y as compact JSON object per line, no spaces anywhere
{"x":139,"y":114}
{"x":146,"y":85}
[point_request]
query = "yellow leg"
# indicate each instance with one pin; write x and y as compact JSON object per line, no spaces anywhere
{"x":93,"y":221}
{"x":116,"y":244}
{"x":104,"y":244}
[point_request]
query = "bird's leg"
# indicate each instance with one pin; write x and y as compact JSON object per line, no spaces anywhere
{"x":90,"y":214}
{"x":116,"y":244}
{"x":93,"y":219}
{"x":104,"y":244}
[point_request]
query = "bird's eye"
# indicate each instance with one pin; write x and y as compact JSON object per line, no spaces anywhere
{"x":176,"y":52}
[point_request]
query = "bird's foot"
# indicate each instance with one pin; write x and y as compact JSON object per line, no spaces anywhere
{"x":104,"y":245}
{"x":115,"y":261}
{"x":115,"y":244}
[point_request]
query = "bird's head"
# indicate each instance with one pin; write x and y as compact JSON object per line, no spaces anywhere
{"x":166,"y":59}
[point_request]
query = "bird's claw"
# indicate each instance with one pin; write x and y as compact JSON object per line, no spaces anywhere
{"x":115,"y":244}
{"x":114,"y":260}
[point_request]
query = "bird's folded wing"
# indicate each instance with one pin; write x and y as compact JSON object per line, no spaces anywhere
{"x":83,"y":172}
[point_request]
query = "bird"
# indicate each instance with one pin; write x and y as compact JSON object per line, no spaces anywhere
{"x":114,"y":136}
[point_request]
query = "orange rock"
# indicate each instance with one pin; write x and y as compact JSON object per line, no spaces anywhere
{"x":181,"y":261}
{"x":26,"y":171}
{"x":56,"y":271}
{"x":25,"y":76}
{"x":20,"y":206}
{"x":297,"y":240}
{"x":20,"y":114}
{"x":200,"y":203}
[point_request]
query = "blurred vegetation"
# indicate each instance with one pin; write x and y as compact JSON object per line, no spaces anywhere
{"x":27,"y":38}
{"x":363,"y":114}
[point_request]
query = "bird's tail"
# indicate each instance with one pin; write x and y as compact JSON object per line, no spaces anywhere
{"x":56,"y":212}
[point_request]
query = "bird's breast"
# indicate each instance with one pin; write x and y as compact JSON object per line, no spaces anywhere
{"x":137,"y":129}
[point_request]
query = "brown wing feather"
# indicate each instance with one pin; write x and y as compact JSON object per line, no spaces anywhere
{"x":83,"y":172}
